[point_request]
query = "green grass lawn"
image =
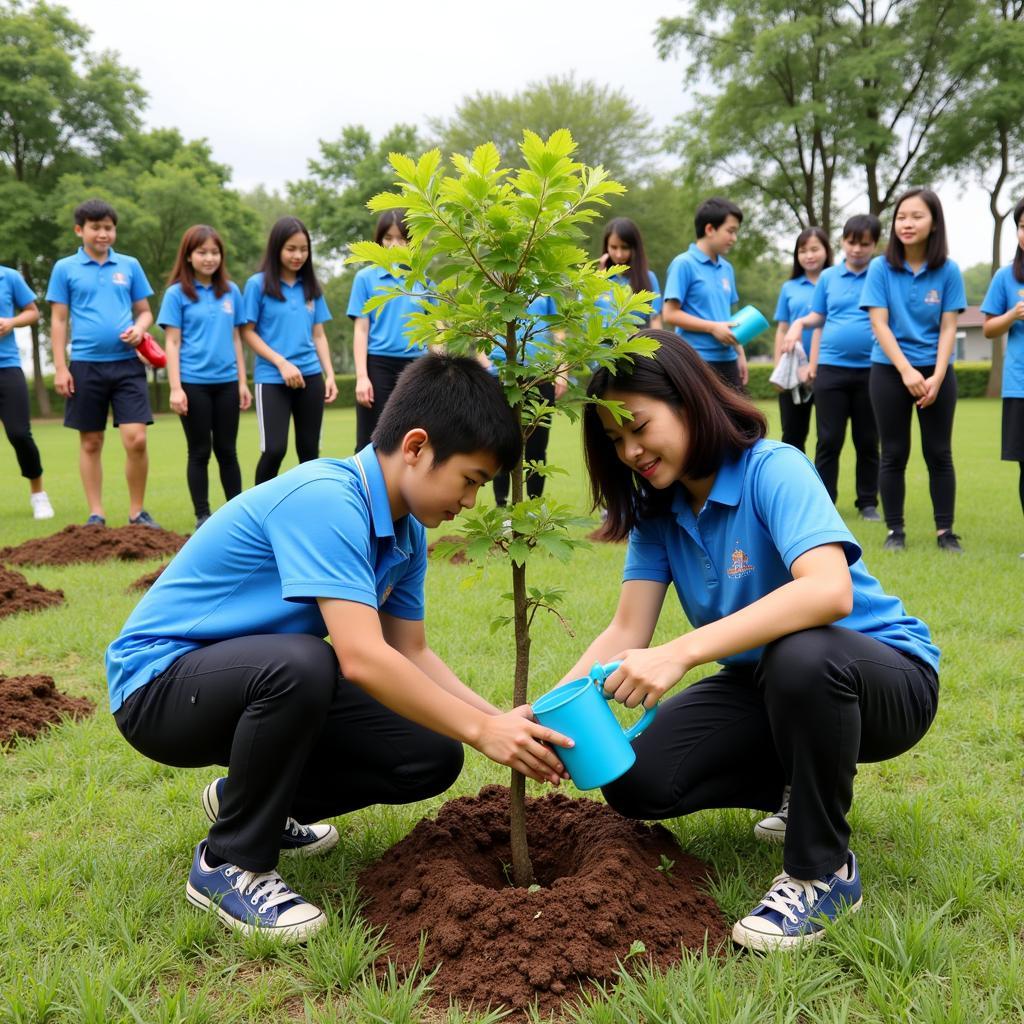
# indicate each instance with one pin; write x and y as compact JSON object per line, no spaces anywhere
{"x":97,"y":840}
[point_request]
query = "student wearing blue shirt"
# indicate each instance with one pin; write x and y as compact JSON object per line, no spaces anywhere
{"x":224,"y":661}
{"x":821,"y":669}
{"x":105,"y":295}
{"x":623,"y":246}
{"x":18,"y":309}
{"x":1004,"y":311}
{"x":913,"y":295}
{"x":811,"y":254}
{"x":380,"y":345}
{"x":700,"y":291}
{"x":840,"y":365}
{"x":200,"y":314}
{"x":285,"y":315}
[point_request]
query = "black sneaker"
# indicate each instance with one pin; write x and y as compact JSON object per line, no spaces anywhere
{"x":201,"y":519}
{"x":870,"y":513}
{"x":773,"y":828}
{"x":896,"y":541}
{"x":949,"y":541}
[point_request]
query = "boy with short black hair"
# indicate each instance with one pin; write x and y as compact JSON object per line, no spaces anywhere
{"x":700,"y":291}
{"x":224,"y":660}
{"x":105,"y":294}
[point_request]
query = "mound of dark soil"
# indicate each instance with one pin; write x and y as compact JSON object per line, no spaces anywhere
{"x":145,"y":582}
{"x":94,"y":544}
{"x":28,"y":704}
{"x":18,"y":595}
{"x":458,"y":557}
{"x":605,"y":884}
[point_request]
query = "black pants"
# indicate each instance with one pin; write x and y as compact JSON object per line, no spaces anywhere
{"x":383,"y":372}
{"x":535,"y":450}
{"x":299,"y":740}
{"x":841,"y":394}
{"x":817,"y":703}
{"x":211,"y":425}
{"x":796,"y":420}
{"x":894,"y":405}
{"x":275,"y":405}
{"x":729,"y":371}
{"x":14,"y":412}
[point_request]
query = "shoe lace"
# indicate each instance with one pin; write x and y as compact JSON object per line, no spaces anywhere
{"x":788,"y":895}
{"x":267,"y":886}
{"x":298,"y":830}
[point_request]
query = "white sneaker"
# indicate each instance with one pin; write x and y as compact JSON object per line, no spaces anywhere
{"x":41,"y":507}
{"x":773,"y":828}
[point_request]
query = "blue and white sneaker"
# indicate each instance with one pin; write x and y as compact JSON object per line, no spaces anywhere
{"x":250,"y":901}
{"x":794,"y":912}
{"x":144,"y":519}
{"x":302,"y":840}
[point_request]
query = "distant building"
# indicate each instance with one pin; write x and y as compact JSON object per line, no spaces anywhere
{"x":971,"y":345}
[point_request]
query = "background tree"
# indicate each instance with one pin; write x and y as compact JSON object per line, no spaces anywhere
{"x":485,"y":242}
{"x":610,"y":130}
{"x":61,"y":106}
{"x":980,"y":141}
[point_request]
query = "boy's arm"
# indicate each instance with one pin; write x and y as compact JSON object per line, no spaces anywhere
{"x":721,"y":331}
{"x":409,"y":637}
{"x":62,"y":379}
{"x":369,"y":662}
{"x":29,"y":314}
{"x":143,"y":317}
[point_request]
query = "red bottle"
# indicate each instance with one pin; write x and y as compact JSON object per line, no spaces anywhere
{"x":152,"y":352}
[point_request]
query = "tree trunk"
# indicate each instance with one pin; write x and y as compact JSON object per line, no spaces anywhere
{"x":995,"y":378}
{"x":522,"y":867}
{"x":38,"y":384}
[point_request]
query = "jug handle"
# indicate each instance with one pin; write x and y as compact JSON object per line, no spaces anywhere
{"x":598,"y":674}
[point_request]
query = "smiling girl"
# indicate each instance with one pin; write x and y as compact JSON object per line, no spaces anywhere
{"x":821,"y":669}
{"x":913,"y":295}
{"x":200,"y":315}
{"x":284,"y":317}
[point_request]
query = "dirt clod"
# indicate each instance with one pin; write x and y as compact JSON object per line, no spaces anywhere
{"x":18,"y":595}
{"x":94,"y":544}
{"x":458,"y":557}
{"x":28,"y":704}
{"x":143,"y":583}
{"x":503,"y":945}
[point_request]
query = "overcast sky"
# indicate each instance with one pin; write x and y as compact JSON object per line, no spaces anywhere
{"x":264,"y":81}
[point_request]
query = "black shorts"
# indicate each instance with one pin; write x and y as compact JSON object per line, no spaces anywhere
{"x":119,"y":386}
{"x":1013,"y":429}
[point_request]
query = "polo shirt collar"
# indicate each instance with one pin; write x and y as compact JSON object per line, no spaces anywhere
{"x":84,"y":257}
{"x":847,"y":271}
{"x":380,"y":507}
{"x":924,"y":269}
{"x":726,"y":490}
{"x":697,"y":251}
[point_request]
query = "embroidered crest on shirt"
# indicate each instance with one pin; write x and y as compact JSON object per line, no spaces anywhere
{"x":118,"y":278}
{"x":725,"y":284}
{"x":228,"y":306}
{"x":309,"y":306}
{"x":933,"y":298}
{"x":741,"y":565}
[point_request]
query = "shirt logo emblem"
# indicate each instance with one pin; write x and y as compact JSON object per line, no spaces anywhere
{"x":932,"y":298}
{"x":725,"y":284}
{"x":309,"y":306}
{"x":741,"y":565}
{"x":119,"y":278}
{"x":228,"y":306}
{"x":1020,"y":291}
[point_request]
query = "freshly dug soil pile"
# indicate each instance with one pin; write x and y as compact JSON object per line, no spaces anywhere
{"x":145,"y":582}
{"x":459,"y":557}
{"x":94,"y":544}
{"x":18,"y":595}
{"x":601,"y":891}
{"x":28,"y":704}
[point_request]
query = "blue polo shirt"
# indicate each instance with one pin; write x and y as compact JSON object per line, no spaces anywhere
{"x":286,"y":325}
{"x":794,"y":302}
{"x":388,"y":335}
{"x":916,"y":303}
{"x":846,"y":337}
{"x":15,"y":295}
{"x":543,"y":305}
{"x":705,"y":288}
{"x":765,"y":509}
{"x":323,"y":529}
{"x":99,"y":297}
{"x":604,"y":303}
{"x":207,"y":324}
{"x":1003,"y":294}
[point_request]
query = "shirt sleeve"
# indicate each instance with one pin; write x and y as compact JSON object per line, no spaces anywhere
{"x":360,"y":294}
{"x":406,"y":599}
{"x":140,"y":288}
{"x":21,"y":292}
{"x":251,"y":299}
{"x":734,"y":295}
{"x":170,"y":308}
{"x":656,"y":302}
{"x":874,"y":294}
{"x":321,"y":314}
{"x":782,"y":306}
{"x":677,"y":281}
{"x":58,"y":289}
{"x":325,"y":556}
{"x":239,"y":304}
{"x":954,"y":298}
{"x":997,"y":297}
{"x":819,"y":301}
{"x":795,"y":508}
{"x":646,"y":554}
